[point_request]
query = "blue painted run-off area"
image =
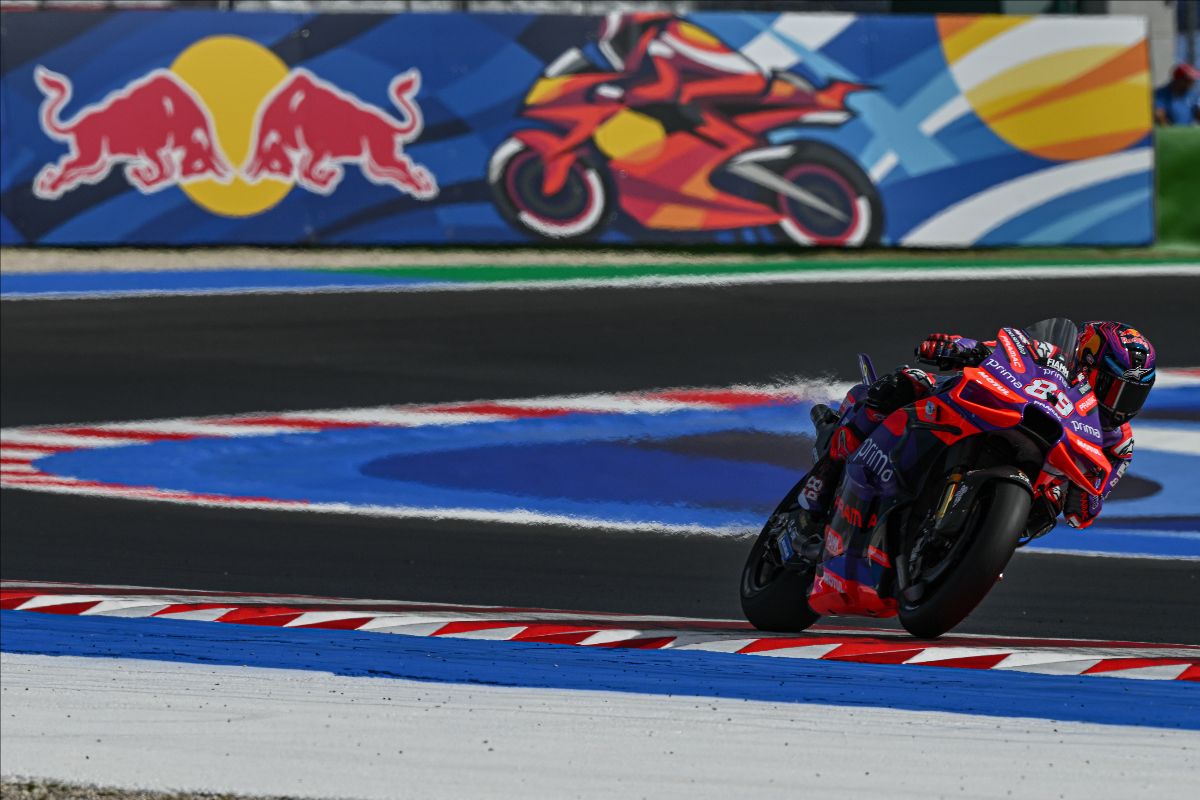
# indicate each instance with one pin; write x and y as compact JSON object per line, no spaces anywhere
{"x":715,"y":469}
{"x":103,"y":284}
{"x":1116,"y":701}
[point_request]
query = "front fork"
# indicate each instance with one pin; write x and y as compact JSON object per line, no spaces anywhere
{"x":557,"y":154}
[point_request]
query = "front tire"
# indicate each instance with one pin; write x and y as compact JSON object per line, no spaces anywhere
{"x":837,"y":179}
{"x":575,"y":212}
{"x":775,"y":598}
{"x":991,"y":533}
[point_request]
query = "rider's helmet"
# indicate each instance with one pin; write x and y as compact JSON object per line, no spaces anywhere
{"x":620,"y":33}
{"x":1118,"y":362}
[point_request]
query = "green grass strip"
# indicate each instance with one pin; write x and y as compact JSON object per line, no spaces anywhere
{"x":559,"y":272}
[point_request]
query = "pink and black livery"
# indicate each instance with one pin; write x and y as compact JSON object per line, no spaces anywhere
{"x":932,"y":503}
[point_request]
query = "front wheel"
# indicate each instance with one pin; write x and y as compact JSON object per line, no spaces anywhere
{"x":775,"y":598}
{"x":574,"y":212}
{"x":850,"y":213}
{"x":954,"y":577}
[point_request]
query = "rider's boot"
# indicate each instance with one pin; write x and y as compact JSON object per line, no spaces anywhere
{"x":825,"y":421}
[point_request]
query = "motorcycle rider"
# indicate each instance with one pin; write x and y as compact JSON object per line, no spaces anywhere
{"x":671,"y":61}
{"x":1114,"y":360}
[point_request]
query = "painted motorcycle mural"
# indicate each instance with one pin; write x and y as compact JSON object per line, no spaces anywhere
{"x":704,"y":164}
{"x":932,"y":505}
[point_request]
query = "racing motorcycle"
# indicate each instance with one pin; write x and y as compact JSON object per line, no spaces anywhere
{"x":932,"y":505}
{"x":667,"y":168}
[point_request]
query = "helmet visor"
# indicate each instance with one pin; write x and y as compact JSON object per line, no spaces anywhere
{"x":1122,"y":397}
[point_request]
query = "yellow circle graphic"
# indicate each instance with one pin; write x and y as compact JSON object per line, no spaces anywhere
{"x":1062,"y":88}
{"x":232,"y":75}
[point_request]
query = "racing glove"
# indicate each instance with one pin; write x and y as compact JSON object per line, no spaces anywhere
{"x":1080,"y":509}
{"x":1049,"y":495}
{"x":950,"y":351}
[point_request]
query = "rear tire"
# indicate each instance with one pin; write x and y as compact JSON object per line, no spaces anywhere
{"x":838,"y":180}
{"x":775,"y":598}
{"x":994,"y":529}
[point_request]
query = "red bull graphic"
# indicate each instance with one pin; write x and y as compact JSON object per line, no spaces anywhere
{"x":308,"y":128}
{"x":156,"y":126}
{"x":304,"y":131}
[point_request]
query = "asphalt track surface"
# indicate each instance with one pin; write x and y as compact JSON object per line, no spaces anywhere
{"x":108,"y":360}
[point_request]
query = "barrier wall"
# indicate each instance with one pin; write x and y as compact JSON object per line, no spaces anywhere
{"x":178,"y":128}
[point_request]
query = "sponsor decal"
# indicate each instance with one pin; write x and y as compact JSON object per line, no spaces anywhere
{"x":1137,"y":373}
{"x":1020,"y":340}
{"x":1055,"y":365}
{"x":999,"y":387}
{"x":1117,"y":474}
{"x":156,"y":127}
{"x":1090,"y":449}
{"x":834,"y":545}
{"x":234,"y":153}
{"x":1047,"y":355}
{"x":1084,"y":428}
{"x":1002,"y":370}
{"x":878,"y":556}
{"x":875,"y":459}
{"x":1124,"y":449}
{"x":307,"y":128}
{"x":1012,"y":350}
{"x":832,"y":581}
{"x":1090,"y":350}
{"x":1086,"y":404}
{"x":1051,"y":410}
{"x":849,"y":513}
{"x":810,"y":494}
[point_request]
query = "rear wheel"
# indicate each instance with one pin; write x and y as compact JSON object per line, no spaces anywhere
{"x":775,"y":597}
{"x":842,"y":186}
{"x":949,"y":578}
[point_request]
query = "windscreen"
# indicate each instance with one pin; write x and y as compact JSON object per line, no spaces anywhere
{"x":1060,"y":332}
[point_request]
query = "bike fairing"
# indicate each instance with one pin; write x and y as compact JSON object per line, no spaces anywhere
{"x":855,"y":574}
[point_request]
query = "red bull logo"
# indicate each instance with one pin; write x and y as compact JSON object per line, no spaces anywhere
{"x":235,"y":129}
{"x":157,"y":127}
{"x":308,"y":128}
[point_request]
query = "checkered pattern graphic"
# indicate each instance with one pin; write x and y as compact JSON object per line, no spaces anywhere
{"x":1043,"y":656}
